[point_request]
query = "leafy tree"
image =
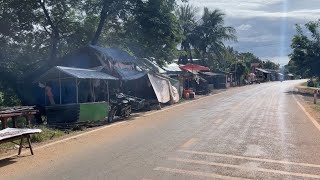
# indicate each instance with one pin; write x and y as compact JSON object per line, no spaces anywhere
{"x":186,"y":15}
{"x":305,"y":57}
{"x":151,"y":31}
{"x":210,"y":33}
{"x":270,"y":65}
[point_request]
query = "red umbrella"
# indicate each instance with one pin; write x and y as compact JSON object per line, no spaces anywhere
{"x":194,"y":67}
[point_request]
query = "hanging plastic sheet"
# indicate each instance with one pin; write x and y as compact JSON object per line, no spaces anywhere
{"x":163,"y":89}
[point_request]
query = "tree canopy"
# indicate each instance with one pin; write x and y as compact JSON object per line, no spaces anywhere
{"x":305,"y":56}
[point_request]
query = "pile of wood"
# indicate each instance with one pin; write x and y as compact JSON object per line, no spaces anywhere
{"x":16,"y":109}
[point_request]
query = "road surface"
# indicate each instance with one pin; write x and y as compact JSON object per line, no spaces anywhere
{"x":252,"y":132}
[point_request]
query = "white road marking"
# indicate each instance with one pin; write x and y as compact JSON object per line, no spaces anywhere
{"x":189,"y":143}
{"x":251,"y":158}
{"x":197,"y":173}
{"x":109,"y":126}
{"x":316,"y":124}
{"x":246,"y":168}
{"x":66,"y":139}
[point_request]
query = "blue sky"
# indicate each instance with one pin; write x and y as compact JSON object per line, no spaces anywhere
{"x":264,"y":27}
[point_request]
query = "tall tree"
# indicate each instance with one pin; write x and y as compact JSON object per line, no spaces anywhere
{"x":186,"y":15}
{"x":305,"y":57}
{"x":110,"y":10}
{"x":151,"y":31}
{"x":210,"y":33}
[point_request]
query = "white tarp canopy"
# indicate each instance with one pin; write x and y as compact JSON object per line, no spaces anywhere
{"x":14,"y":132}
{"x":163,"y":89}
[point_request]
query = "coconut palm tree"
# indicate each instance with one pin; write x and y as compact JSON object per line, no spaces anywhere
{"x":210,"y":33}
{"x":186,"y":14}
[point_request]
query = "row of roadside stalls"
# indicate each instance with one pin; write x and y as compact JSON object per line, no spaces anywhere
{"x":78,"y":88}
{"x":199,"y":78}
{"x":272,"y":75}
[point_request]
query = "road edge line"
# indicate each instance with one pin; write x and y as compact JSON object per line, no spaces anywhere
{"x":315,"y":122}
{"x":109,"y":126}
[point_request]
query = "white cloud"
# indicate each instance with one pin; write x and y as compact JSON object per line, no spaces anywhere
{"x":282,"y":60}
{"x":254,"y":8}
{"x":244,"y":27}
{"x":264,"y":27}
{"x":305,"y":14}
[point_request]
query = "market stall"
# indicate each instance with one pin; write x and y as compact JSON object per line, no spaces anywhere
{"x":75,"y":95}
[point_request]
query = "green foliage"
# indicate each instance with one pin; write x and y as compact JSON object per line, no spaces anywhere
{"x":46,"y":134}
{"x":151,"y":31}
{"x":305,"y":57}
{"x":210,"y":33}
{"x":270,"y":65}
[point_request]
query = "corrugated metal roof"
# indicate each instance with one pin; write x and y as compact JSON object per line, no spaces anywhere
{"x":262,"y":70}
{"x":79,"y":73}
{"x":150,"y":65}
{"x":85,"y":73}
{"x":130,"y":74}
{"x":173,"y":67}
{"x":212,"y":74}
{"x":115,"y":55}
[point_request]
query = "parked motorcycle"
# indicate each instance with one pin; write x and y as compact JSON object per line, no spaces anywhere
{"x":119,"y":106}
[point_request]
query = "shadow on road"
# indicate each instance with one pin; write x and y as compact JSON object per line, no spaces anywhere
{"x":11,"y":160}
{"x":299,"y":93}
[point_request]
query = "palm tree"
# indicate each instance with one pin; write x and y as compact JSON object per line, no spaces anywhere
{"x":186,"y":15}
{"x":210,"y":33}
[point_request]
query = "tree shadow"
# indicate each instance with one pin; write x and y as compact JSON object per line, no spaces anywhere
{"x":11,"y":160}
{"x":299,"y":93}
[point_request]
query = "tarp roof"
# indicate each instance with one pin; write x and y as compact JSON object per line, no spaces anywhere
{"x":173,"y":67}
{"x":115,"y":55}
{"x":263,"y":70}
{"x":79,"y":73}
{"x":150,"y":65}
{"x":194,"y":67}
{"x":130,"y":74}
{"x":212,"y":74}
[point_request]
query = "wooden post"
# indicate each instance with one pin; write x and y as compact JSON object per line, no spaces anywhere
{"x":20,"y":146}
{"x":108,"y":92}
{"x":60,"y":87}
{"x":4,"y":122}
{"x":14,"y":121}
{"x":29,"y":142}
{"x":315,"y":96}
{"x":77,"y":91}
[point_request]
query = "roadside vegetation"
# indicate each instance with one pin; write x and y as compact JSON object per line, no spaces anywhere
{"x":45,"y":135}
{"x":304,"y":59}
{"x":37,"y":33}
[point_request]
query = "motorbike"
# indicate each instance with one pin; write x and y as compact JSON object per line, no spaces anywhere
{"x":119,"y":106}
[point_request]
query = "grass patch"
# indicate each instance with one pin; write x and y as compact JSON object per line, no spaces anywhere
{"x":305,"y":84}
{"x":45,"y":135}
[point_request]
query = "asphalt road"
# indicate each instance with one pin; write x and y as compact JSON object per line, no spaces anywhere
{"x":252,"y":132}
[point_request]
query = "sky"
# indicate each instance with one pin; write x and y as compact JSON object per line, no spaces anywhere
{"x":264,"y":27}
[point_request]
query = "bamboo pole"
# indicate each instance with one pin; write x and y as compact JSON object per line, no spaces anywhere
{"x":77,"y":91}
{"x":60,"y":87}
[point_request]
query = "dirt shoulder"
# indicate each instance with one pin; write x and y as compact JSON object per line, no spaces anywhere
{"x":305,"y":96}
{"x":8,"y":149}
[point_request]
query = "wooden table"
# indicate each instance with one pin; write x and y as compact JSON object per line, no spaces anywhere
{"x":13,"y":134}
{"x":14,"y":115}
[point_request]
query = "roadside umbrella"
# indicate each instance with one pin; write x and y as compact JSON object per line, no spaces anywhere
{"x":194,"y":67}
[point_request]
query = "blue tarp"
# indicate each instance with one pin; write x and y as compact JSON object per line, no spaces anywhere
{"x":79,"y":73}
{"x":115,"y":55}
